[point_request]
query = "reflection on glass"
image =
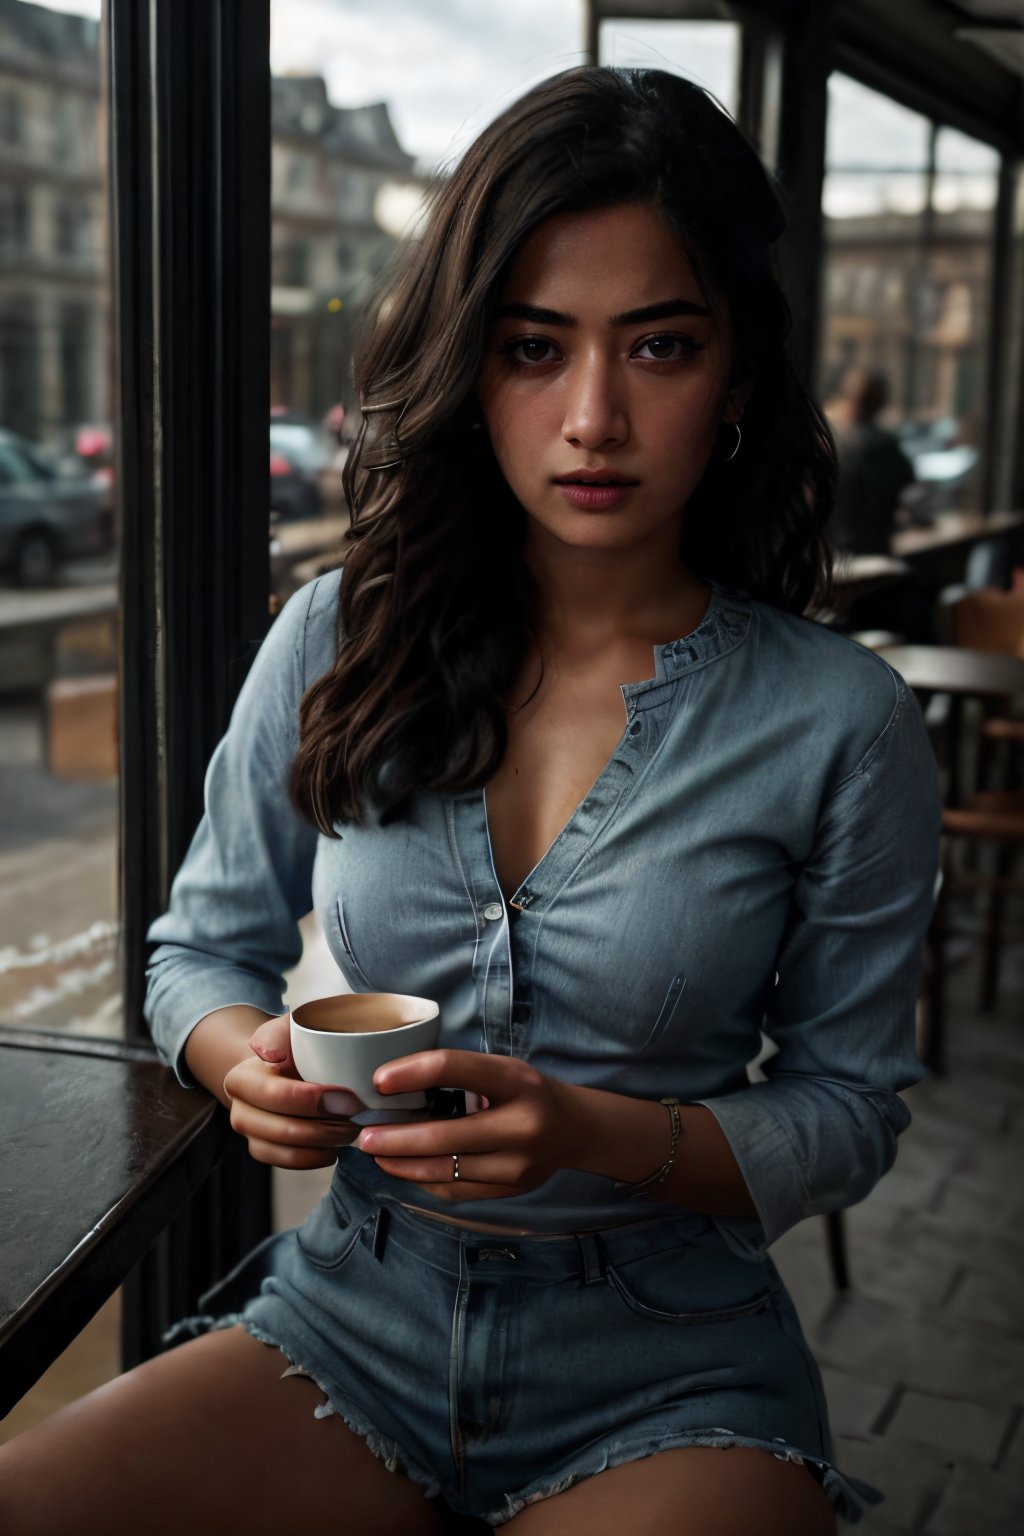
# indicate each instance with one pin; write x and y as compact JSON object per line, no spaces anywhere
{"x":909,"y":225}
{"x":707,"y":52}
{"x":58,"y":616}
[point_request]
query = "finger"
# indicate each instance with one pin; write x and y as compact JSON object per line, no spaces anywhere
{"x":486,"y":1132}
{"x":271,"y":1041}
{"x":275,"y":1089}
{"x":497,"y":1077}
{"x":263,"y":1125}
{"x":499,"y":1168}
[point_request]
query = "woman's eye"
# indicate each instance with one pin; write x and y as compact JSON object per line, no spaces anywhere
{"x":667,"y":349}
{"x":528,"y":349}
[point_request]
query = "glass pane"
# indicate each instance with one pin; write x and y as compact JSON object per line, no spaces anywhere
{"x":875,"y":195}
{"x":58,"y":555}
{"x":876,"y":198}
{"x":950,"y":396}
{"x":705,"y":51}
{"x":909,"y":226}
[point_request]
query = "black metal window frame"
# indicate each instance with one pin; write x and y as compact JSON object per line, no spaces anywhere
{"x":189,"y":167}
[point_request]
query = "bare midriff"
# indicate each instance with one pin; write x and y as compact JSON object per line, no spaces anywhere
{"x":479,"y":1226}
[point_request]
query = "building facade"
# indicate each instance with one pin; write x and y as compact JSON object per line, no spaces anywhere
{"x":54,"y":294}
{"x":335,"y":172}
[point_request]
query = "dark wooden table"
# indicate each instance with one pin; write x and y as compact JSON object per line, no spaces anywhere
{"x":937,"y":555}
{"x":955,"y":530}
{"x":961,"y":673}
{"x":101,"y":1147}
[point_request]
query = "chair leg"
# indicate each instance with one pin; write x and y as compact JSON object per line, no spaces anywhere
{"x":994,"y":927}
{"x":933,"y":1053}
{"x":835,"y":1237}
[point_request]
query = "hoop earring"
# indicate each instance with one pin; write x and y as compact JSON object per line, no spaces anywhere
{"x":739,"y":438}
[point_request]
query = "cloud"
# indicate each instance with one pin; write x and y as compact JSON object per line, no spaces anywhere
{"x":445,"y":68}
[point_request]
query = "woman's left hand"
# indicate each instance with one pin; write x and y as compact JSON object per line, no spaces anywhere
{"x":530,"y":1129}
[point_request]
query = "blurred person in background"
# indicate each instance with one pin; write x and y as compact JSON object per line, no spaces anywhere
{"x":874,"y":472}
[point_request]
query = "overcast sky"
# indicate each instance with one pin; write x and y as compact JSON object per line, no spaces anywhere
{"x":446,"y":67}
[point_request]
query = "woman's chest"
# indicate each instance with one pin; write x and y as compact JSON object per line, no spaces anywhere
{"x":662,"y":899}
{"x":558,"y":747}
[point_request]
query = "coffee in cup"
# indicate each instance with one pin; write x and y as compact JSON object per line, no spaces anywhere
{"x":341,"y":1041}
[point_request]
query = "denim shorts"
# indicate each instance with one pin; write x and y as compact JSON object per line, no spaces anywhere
{"x":495,"y":1371}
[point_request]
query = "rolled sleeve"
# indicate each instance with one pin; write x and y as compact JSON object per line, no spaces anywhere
{"x":819,"y":1132}
{"x":231,"y":928}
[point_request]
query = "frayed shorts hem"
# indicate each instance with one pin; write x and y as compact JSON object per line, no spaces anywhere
{"x":850,"y":1499}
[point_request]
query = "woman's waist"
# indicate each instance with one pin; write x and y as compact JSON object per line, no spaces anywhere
{"x":569,"y":1204}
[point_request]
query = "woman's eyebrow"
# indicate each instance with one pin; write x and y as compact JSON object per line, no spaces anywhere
{"x":664,"y":310}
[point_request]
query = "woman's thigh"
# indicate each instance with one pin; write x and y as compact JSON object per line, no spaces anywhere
{"x":693,"y":1491}
{"x":208,"y":1438}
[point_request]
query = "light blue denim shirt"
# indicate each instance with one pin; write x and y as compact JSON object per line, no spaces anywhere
{"x":758,"y":854}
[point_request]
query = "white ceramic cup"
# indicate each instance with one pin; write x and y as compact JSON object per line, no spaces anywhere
{"x":341,"y":1041}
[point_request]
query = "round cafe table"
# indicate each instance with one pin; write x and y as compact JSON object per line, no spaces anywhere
{"x":961,"y":673}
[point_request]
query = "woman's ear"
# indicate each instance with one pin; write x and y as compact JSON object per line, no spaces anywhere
{"x":736,"y":400}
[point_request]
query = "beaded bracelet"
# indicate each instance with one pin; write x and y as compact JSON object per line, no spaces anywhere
{"x":663,"y":1172}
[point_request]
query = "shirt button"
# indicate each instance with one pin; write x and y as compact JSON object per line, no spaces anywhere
{"x":635,"y":728}
{"x":493,"y":911}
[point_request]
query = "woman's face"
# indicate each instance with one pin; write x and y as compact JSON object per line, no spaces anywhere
{"x":606,"y":380}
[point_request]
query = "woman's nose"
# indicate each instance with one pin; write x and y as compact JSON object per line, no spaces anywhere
{"x":595,"y":409}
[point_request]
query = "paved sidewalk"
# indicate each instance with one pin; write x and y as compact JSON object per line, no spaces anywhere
{"x":924,"y":1358}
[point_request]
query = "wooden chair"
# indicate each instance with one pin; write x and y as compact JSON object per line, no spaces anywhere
{"x":993,"y":620}
{"x":992,"y":818}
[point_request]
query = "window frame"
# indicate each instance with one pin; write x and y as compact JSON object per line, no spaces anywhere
{"x":188,"y":139}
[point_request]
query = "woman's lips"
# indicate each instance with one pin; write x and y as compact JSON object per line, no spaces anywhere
{"x":595,"y":498}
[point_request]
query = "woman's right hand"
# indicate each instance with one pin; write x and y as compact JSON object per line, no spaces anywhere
{"x":287,"y":1122}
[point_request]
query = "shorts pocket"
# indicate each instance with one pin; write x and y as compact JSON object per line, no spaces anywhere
{"x":681,"y":1285}
{"x":328,"y":1235}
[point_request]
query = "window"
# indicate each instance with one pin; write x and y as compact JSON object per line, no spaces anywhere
{"x":292,"y":265}
{"x":909,"y":231}
{"x":11,"y":119}
{"x":58,"y":605}
{"x":14,"y":219}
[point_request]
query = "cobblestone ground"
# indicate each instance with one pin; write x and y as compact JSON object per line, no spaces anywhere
{"x":923,"y":1358}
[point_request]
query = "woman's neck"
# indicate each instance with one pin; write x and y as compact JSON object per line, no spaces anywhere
{"x":591,"y":597}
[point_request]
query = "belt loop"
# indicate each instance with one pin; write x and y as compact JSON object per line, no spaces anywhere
{"x":591,"y":1257}
{"x":380,"y":1232}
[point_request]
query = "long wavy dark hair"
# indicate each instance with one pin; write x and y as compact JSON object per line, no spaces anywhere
{"x":436,"y":600}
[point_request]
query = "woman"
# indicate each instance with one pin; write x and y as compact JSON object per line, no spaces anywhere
{"x":583,"y":446}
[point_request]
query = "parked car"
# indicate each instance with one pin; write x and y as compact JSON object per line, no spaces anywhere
{"x":299,"y":456}
{"x":47,"y":514}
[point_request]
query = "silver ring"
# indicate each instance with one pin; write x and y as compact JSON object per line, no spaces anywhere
{"x":455,"y":1166}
